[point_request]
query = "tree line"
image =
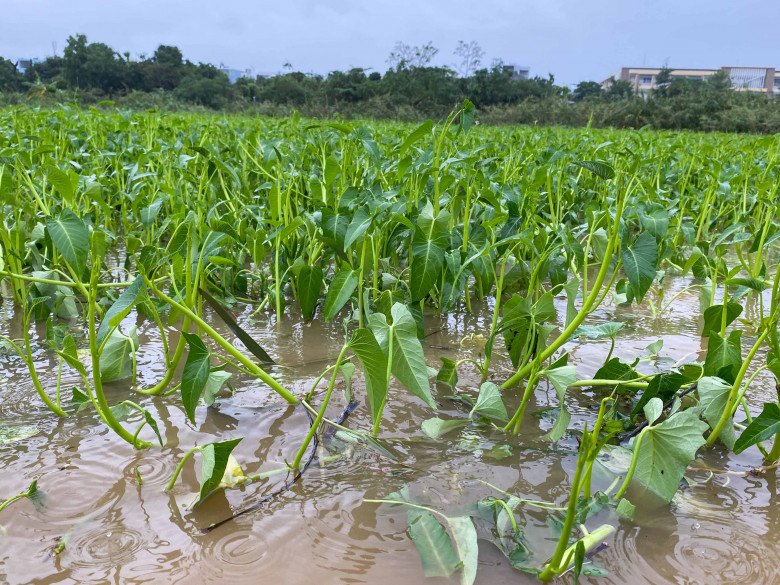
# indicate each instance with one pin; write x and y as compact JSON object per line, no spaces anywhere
{"x":412,"y":88}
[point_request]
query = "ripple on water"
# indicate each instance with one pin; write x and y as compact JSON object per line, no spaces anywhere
{"x":232,"y":551}
{"x":727,"y":555}
{"x":153,"y":468}
{"x":106,"y":544}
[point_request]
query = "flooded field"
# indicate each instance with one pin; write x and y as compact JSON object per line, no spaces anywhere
{"x":105,"y":505}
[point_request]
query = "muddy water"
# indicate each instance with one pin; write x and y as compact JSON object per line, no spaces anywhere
{"x":118,"y":528}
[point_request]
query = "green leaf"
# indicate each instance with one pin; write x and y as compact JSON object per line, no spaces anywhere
{"x":467,"y":549}
{"x":433,"y":544}
{"x":70,"y":237}
{"x":599,"y":168}
{"x":572,"y":289}
{"x":663,"y":386}
{"x":467,"y":114}
{"x":436,"y":427}
{"x":614,"y":369}
{"x":417,"y":134}
{"x":374,"y":363}
{"x":214,"y":383}
{"x":408,"y":359}
{"x":116,"y":359}
{"x":213,"y":462}
{"x":713,"y":317}
{"x":150,"y":213}
{"x":653,"y":410}
{"x":69,"y":353}
{"x":339,"y":292}
{"x":61,"y":181}
{"x":755,"y":284}
{"x":489,"y":403}
{"x":561,"y":378}
{"x":561,"y":424}
{"x":657,"y":223}
{"x":150,"y":420}
{"x":360,"y":223}
{"x":448,"y":374}
{"x":639,"y":264}
{"x":13,"y":433}
{"x":666,"y":451}
{"x":309,"y":287}
{"x":601,"y":331}
{"x":121,"y":308}
{"x":714,"y":394}
{"x":625,"y":509}
{"x":724,"y":356}
{"x":765,"y":426}
{"x":195,"y":375}
{"x":430,"y":241}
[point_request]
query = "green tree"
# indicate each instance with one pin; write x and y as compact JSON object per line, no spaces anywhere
{"x":49,"y":70}
{"x":587,"y":90}
{"x":620,"y":89}
{"x":205,"y":85}
{"x":9,"y":76}
{"x":352,"y":86}
{"x":92,"y":65}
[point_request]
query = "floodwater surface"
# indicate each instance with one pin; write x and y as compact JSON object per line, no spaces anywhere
{"x":105,"y":502}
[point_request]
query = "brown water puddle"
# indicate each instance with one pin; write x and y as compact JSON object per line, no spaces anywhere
{"x":720,"y":529}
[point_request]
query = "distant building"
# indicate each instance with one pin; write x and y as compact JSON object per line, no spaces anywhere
{"x":517,"y":71}
{"x":23,"y":65}
{"x":764,"y":80}
{"x":235,"y":74}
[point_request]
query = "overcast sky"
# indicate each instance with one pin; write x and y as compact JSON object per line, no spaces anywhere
{"x":574,"y":40}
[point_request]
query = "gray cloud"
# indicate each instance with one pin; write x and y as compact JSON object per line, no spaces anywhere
{"x":573,"y":40}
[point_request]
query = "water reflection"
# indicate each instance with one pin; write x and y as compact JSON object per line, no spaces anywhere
{"x":105,"y":500}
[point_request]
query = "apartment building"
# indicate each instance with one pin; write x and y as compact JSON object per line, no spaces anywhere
{"x":757,"y":79}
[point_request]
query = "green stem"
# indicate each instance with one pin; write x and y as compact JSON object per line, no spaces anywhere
{"x":632,"y":466}
{"x":554,"y":565}
{"x":97,"y":382}
{"x":180,"y":466}
{"x":587,"y":306}
{"x":378,"y":419}
{"x":11,"y":500}
{"x":26,"y":356}
{"x":160,"y":387}
{"x":227,"y":346}
{"x":321,"y":413}
{"x":728,"y":411}
{"x":774,"y":454}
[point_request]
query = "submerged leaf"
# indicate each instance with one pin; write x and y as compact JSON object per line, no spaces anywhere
{"x":13,"y":433}
{"x":601,"y":331}
{"x":666,"y":450}
{"x":433,"y":543}
{"x":436,"y":427}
